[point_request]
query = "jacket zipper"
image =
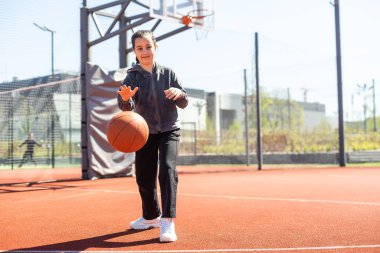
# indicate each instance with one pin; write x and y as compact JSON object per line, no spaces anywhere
{"x":155,"y":96}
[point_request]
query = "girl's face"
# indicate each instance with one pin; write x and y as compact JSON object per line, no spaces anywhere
{"x":145,"y":50}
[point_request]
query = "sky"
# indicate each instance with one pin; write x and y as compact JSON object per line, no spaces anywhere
{"x":297,"y":49}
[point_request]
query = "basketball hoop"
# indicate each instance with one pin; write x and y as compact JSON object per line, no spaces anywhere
{"x":201,"y":20}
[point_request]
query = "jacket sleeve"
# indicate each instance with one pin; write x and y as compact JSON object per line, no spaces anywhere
{"x":39,"y":145}
{"x":22,"y":144}
{"x":126,"y":105}
{"x":181,"y":103}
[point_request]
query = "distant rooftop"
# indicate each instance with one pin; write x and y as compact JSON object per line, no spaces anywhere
{"x":313,"y":106}
{"x":196,"y":93}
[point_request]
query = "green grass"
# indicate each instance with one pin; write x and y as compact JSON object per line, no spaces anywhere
{"x":374,"y":164}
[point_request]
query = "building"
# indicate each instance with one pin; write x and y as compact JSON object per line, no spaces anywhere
{"x":223,"y":110}
{"x":313,"y":113}
{"x":194,"y":116}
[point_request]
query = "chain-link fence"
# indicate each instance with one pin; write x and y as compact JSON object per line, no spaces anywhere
{"x":50,"y":112}
{"x":40,"y":125}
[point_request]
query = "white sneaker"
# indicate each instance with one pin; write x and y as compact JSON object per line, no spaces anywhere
{"x":167,"y":230}
{"x":141,"y":223}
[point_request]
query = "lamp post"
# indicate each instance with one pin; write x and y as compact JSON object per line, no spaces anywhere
{"x":342,"y":152}
{"x":45,"y":29}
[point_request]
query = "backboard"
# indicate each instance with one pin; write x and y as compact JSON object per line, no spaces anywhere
{"x":176,"y":10}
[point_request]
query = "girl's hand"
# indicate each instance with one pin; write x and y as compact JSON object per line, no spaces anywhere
{"x":126,"y":93}
{"x":173,"y":94}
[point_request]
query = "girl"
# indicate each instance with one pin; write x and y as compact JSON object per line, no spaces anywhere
{"x":159,"y":94}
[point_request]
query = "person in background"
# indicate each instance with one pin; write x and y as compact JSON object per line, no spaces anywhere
{"x":29,"y":152}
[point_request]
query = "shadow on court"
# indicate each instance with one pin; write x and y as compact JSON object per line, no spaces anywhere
{"x":30,"y":187}
{"x":99,"y":242}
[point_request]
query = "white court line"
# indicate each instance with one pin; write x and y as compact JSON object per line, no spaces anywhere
{"x":285,"y":199}
{"x":75,"y":195}
{"x":249,"y":198}
{"x":375,"y":246}
{"x":97,"y":190}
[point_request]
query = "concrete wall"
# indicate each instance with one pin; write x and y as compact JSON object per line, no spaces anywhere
{"x":306,"y":158}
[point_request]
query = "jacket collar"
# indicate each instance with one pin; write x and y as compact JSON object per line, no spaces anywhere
{"x":137,"y":68}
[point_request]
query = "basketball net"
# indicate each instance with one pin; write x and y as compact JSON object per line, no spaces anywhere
{"x":201,"y":20}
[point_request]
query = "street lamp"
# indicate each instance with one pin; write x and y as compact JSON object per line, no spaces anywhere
{"x":44,"y":28}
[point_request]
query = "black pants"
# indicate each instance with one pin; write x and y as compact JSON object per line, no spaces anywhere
{"x":162,"y":148}
{"x":28,"y":156}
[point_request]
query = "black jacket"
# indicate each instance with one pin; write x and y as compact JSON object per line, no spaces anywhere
{"x":149,"y":101}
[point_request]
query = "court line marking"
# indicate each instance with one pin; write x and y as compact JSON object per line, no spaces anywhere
{"x":241,"y":197}
{"x":374,"y":246}
{"x":248,"y":198}
{"x":75,"y":195}
{"x":285,"y":199}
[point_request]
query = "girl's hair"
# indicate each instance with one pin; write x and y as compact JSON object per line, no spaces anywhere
{"x":142,"y":34}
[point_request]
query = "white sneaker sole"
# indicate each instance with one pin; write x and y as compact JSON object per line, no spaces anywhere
{"x":168,"y":238}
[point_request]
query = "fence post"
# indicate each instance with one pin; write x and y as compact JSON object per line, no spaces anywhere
{"x":246,"y":119}
{"x":258,"y":108}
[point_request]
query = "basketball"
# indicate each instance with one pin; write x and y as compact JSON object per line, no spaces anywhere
{"x":127,"y":132}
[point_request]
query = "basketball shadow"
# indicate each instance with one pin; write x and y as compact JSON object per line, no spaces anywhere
{"x":93,"y":242}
